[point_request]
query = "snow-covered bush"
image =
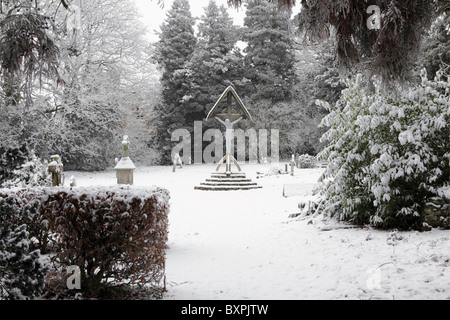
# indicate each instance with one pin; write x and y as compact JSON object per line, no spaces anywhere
{"x":11,"y":158}
{"x":21,"y":272}
{"x":20,"y":167}
{"x":32,"y":173}
{"x":306,"y":161}
{"x":387,"y":153}
{"x":113,"y":234}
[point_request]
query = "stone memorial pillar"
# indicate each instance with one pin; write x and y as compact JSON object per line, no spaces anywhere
{"x":125,"y":167}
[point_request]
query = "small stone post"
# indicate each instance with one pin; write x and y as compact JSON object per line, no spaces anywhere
{"x":125,"y":167}
{"x":56,"y":168}
{"x":292,"y":164}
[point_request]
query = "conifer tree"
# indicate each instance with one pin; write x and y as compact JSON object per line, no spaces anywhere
{"x":216,"y":62}
{"x":388,"y":49}
{"x":269,"y":61}
{"x":389,"y":52}
{"x":175,"y":48}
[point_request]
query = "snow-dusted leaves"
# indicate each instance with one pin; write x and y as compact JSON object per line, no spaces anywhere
{"x":21,"y":270}
{"x":387,"y":153}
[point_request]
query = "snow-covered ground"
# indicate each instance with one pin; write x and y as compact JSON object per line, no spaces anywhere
{"x":242,"y":244}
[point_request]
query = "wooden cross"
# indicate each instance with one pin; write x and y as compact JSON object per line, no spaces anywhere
{"x":232,"y":116}
{"x":229,"y":114}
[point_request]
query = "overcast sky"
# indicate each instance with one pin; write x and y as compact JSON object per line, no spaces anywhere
{"x":154,"y":15}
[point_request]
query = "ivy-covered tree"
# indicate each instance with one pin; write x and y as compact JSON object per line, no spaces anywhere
{"x":174,"y":51}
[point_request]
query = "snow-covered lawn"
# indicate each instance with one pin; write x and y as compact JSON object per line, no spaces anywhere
{"x":243,"y":245}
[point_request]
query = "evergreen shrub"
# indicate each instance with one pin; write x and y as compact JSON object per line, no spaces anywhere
{"x":22,"y":273}
{"x":306,"y":161}
{"x":387,"y":153}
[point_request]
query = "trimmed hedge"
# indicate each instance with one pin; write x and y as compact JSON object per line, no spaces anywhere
{"x":113,"y":234}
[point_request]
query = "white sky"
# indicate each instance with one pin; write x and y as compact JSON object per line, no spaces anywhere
{"x":154,"y":15}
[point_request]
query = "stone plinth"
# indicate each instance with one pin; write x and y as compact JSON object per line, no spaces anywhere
{"x":124,"y":171}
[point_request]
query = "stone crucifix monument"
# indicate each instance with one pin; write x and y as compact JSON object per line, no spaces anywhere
{"x":229,"y":117}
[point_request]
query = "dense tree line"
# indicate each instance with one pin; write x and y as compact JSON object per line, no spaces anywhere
{"x":197,"y":67}
{"x":271,"y":73}
{"x":75,"y":78}
{"x":72,"y":76}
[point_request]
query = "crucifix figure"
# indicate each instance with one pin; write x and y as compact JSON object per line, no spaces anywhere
{"x":229,"y":135}
{"x":229,"y":117}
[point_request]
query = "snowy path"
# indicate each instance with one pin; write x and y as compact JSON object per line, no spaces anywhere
{"x":242,"y":245}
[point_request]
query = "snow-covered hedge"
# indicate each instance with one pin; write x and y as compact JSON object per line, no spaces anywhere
{"x":113,"y":234}
{"x":387,"y":154}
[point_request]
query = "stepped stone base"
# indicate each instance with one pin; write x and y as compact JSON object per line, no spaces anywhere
{"x":227,"y":182}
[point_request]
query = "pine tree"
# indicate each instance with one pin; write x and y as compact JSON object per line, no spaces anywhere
{"x":216,"y":62}
{"x":269,"y":59}
{"x":175,"y":48}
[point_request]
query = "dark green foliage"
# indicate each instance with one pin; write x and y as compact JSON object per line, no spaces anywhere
{"x":389,"y":52}
{"x":27,"y":51}
{"x":21,"y":271}
{"x":12,"y":158}
{"x":174,"y":50}
{"x":436,"y":46}
{"x":216,"y":62}
{"x":269,"y":59}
